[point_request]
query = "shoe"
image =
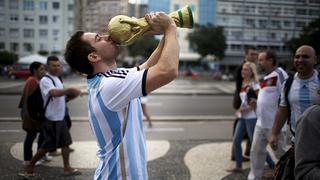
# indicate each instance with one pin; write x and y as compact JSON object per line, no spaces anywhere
{"x":245,"y":159}
{"x":47,"y":157}
{"x":235,"y":170}
{"x":28,"y":176}
{"x":73,"y":172}
{"x":40,"y":162}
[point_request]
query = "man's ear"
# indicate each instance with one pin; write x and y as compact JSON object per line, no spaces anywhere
{"x":93,"y":57}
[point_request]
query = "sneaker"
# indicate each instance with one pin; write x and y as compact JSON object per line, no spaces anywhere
{"x":47,"y":157}
{"x":40,"y":162}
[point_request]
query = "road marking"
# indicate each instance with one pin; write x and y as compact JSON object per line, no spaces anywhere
{"x":9,"y":131}
{"x":163,"y":129}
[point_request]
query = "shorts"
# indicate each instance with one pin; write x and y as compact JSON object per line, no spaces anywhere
{"x":56,"y":135}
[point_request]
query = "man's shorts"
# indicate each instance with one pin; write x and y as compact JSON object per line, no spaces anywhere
{"x":56,"y":134}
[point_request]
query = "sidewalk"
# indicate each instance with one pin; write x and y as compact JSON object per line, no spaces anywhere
{"x":180,"y":86}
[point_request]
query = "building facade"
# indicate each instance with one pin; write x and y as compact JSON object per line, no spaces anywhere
{"x":97,"y":13}
{"x":265,"y":24}
{"x":30,"y":26}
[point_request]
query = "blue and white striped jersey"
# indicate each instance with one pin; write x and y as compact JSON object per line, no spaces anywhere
{"x":113,"y":95}
{"x":302,"y":94}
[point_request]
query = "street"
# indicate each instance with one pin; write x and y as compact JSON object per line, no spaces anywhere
{"x":159,"y":106}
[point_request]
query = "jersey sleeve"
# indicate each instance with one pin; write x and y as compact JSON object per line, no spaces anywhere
{"x":118,"y":91}
{"x":283,"y":102}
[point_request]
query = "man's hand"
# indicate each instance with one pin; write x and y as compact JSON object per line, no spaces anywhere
{"x":74,"y":91}
{"x":159,"y":22}
{"x":274,"y":142}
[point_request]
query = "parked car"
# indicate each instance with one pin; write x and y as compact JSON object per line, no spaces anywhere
{"x":19,"y":71}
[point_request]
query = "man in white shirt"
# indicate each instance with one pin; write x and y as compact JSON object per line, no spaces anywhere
{"x":114,"y":94}
{"x":267,"y":104}
{"x":56,"y":133}
{"x":304,"y":92}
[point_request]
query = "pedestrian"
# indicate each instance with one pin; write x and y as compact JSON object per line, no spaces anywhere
{"x":114,"y":105}
{"x":267,"y":103}
{"x":144,"y":100}
{"x":301,"y":94}
{"x":246,"y":112}
{"x":32,"y":127}
{"x":307,"y":147}
{"x":250,"y":56}
{"x":56,"y":134}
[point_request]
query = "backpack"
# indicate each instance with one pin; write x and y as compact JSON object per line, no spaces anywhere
{"x":35,"y":103}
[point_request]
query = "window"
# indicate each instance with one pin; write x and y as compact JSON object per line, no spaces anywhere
{"x":43,"y":19}
{"x":43,"y":33}
{"x":14,"y":47}
{"x":28,"y":19}
{"x":55,"y":32}
{"x":28,"y":33}
{"x":28,"y":5}
{"x":43,"y":47}
{"x":300,"y":24}
{"x":27,"y":47}
{"x":301,"y":12}
{"x":2,"y":45}
{"x":55,"y":19}
{"x":287,"y":24}
{"x":14,"y":17}
{"x":2,"y":17}
{"x":43,"y":5}
{"x":14,"y":4}
{"x":70,"y":7}
{"x":14,"y":32}
{"x":1,"y":4}
{"x":2,"y":32}
{"x":55,"y":5}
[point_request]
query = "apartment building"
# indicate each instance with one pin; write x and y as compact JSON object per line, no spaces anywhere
{"x":264,"y":24}
{"x":30,"y":26}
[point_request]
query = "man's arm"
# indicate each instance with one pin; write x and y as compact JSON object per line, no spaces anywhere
{"x":153,"y":59}
{"x":63,"y":92}
{"x":166,"y":69}
{"x":280,"y":119}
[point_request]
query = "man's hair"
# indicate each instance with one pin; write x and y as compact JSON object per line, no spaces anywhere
{"x":76,"y":54}
{"x":52,"y":58}
{"x":247,"y":48}
{"x":271,"y":55}
{"x":34,"y":66}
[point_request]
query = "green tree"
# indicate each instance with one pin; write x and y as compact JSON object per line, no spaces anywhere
{"x":309,"y":36}
{"x":143,"y":46}
{"x":8,"y":58}
{"x":208,"y":40}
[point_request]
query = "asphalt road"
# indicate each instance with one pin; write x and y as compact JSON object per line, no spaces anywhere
{"x":158,"y":105}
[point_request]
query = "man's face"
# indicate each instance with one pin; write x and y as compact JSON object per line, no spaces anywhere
{"x":252,"y":55}
{"x":304,"y":60}
{"x":106,"y":49}
{"x":54,"y":68}
{"x":263,"y":61}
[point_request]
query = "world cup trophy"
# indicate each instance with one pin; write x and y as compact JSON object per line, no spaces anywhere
{"x":126,"y":30}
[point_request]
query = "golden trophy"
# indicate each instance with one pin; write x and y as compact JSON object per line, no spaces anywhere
{"x":125,"y":30}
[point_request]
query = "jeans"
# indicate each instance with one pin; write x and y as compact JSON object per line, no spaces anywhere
{"x":27,"y":146}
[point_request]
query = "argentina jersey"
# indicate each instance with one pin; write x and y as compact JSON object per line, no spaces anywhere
{"x":115,"y":116}
{"x":302,"y":94}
